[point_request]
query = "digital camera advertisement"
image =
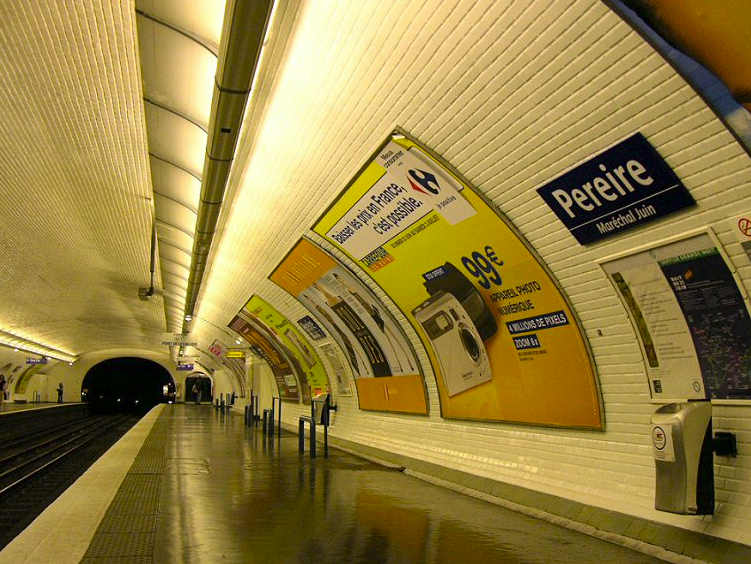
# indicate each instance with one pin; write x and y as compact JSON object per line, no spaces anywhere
{"x":380,"y":356}
{"x":502,"y":340}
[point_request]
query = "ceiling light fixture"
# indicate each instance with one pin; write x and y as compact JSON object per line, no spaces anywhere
{"x":21,"y":344}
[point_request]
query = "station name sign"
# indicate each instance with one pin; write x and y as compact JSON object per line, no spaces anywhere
{"x":30,"y":360}
{"x":185,"y":366}
{"x":178,"y":340}
{"x":621,"y":188}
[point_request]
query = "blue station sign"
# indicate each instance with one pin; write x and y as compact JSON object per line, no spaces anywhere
{"x":621,"y":188}
{"x":185,"y":366}
{"x":30,"y":360}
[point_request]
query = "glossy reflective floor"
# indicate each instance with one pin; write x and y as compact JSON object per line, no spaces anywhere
{"x":227,"y":494}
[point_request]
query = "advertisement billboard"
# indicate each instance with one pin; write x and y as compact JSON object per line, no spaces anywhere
{"x":265,"y":345}
{"x":303,"y":355}
{"x":502,"y":339}
{"x":380,"y":356}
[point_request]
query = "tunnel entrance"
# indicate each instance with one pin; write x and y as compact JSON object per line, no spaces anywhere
{"x":201,"y":383}
{"x":126,"y":384}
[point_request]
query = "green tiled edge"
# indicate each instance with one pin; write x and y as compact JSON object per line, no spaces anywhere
{"x":674,"y":539}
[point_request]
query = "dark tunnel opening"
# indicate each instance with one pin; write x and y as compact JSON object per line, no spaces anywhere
{"x":127,"y":385}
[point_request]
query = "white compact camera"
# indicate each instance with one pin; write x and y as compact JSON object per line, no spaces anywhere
{"x":457,"y":344}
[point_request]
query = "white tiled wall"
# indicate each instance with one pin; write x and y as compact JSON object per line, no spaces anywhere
{"x":511,"y":94}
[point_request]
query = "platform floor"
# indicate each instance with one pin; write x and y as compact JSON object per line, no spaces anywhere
{"x":197,"y":486}
{"x":11,"y":406}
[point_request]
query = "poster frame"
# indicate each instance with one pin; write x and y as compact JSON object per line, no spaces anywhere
{"x":390,"y":307}
{"x":704,"y":230}
{"x":396,"y":131}
{"x":273,"y":340}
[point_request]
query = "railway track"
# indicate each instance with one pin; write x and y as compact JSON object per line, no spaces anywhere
{"x":36,"y":468}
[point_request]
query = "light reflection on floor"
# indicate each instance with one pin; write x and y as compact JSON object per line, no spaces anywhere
{"x":233,"y":496}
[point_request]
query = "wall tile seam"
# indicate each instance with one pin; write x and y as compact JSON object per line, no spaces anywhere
{"x":569,"y":460}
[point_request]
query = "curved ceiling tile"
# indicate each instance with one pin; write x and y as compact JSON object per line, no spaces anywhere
{"x":178,"y":73}
{"x":175,"y":183}
{"x":174,"y":213}
{"x":173,"y":254}
{"x":202,"y":18}
{"x":171,"y":235}
{"x":177,"y":295}
{"x":175,"y":269}
{"x":174,"y":297}
{"x":175,"y":245}
{"x":172,"y":282}
{"x":175,"y":140}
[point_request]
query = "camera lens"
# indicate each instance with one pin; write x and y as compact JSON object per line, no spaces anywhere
{"x":470,"y":343}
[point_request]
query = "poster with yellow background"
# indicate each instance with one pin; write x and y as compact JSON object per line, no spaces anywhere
{"x":302,"y":353}
{"x":502,"y":339}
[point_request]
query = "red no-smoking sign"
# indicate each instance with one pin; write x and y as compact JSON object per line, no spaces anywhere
{"x":744,"y":224}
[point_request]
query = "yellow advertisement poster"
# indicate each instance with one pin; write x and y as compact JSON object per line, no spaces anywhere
{"x":303,"y":354}
{"x":503,"y":341}
{"x":380,"y":356}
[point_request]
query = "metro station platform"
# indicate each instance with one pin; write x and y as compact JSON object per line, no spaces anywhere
{"x":10,"y":406}
{"x":189,"y":484}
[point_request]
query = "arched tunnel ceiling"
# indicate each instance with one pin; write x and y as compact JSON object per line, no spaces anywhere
{"x":89,"y":153}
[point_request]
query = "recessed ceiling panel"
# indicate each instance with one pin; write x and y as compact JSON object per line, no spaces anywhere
{"x":175,"y":140}
{"x":178,"y":73}
{"x":174,"y":213}
{"x":175,"y":183}
{"x":200,"y":17}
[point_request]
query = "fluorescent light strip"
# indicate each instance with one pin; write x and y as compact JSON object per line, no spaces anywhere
{"x":14,"y":342}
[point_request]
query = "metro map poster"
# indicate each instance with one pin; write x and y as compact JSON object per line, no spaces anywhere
{"x":690,"y":317}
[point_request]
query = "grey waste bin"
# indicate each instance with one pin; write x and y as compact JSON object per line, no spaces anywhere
{"x":682,"y":447}
{"x":320,"y":407}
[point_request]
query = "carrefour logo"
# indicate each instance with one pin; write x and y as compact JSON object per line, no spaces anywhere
{"x":423,"y":182}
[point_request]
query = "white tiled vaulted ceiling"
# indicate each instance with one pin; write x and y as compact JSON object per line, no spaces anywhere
{"x":75,"y":196}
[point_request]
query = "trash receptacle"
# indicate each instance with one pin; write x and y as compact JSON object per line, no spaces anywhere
{"x":682,"y":447}
{"x":319,"y":402}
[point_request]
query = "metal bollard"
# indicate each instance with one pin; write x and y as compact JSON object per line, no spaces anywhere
{"x":301,"y":435}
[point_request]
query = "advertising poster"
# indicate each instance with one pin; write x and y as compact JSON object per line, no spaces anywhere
{"x":312,"y":328}
{"x":709,"y":44}
{"x":235,"y":366}
{"x":383,"y":363}
{"x":690,"y":317}
{"x":337,"y":365}
{"x":502,"y":340}
{"x":264,"y":345}
{"x":295,"y":344}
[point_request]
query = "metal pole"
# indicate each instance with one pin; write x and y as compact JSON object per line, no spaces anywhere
{"x":301,"y":435}
{"x":312,"y":429}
